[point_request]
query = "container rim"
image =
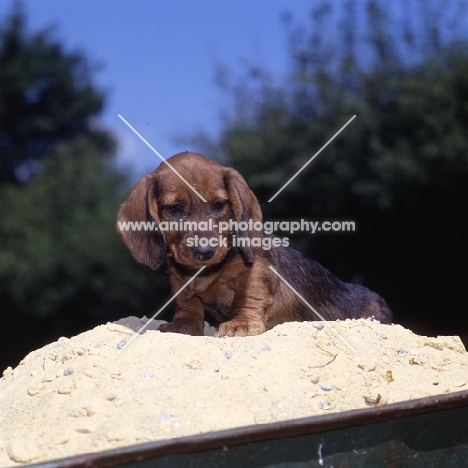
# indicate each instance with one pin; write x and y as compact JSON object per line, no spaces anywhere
{"x":261,"y":432}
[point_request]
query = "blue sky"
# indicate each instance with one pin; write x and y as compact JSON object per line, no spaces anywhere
{"x":159,"y":59}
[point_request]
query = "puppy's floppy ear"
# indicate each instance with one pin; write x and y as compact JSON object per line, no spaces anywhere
{"x":245,"y":206}
{"x":146,"y":246}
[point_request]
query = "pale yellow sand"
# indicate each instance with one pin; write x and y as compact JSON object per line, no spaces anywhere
{"x":81,"y":395}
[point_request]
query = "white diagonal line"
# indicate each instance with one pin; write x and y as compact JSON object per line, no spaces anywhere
{"x":312,"y":158}
{"x":310,"y":307}
{"x":157,"y":154}
{"x":162,"y":308}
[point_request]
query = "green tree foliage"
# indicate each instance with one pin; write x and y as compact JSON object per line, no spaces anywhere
{"x":46,"y":96}
{"x":63,"y":267}
{"x":400,"y":170}
{"x":62,"y":254}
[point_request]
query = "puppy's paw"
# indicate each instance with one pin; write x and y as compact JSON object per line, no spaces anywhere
{"x":240,"y":327}
{"x":185,"y":328}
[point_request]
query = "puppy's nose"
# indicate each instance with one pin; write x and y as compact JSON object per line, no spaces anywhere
{"x":203,"y":253}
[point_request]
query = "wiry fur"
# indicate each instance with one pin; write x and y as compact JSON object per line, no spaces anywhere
{"x":236,"y":288}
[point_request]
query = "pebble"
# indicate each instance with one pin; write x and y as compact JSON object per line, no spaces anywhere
{"x":228,"y":354}
{"x":266,"y":347}
{"x":121,"y":344}
{"x":164,"y":416}
{"x":68,"y":371}
{"x":325,"y":386}
{"x":371,"y":398}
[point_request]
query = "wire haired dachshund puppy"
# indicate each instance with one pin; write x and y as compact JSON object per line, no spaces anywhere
{"x":236,"y":287}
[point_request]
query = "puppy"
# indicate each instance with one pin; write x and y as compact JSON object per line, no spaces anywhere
{"x":236,"y":287}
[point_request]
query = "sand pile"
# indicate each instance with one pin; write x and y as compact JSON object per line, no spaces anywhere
{"x":82,"y":395}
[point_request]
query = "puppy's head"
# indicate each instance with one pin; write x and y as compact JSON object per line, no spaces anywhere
{"x":187,"y":227}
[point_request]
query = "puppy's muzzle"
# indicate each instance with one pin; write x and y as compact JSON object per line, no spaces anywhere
{"x":203,"y":253}
{"x":205,"y":245}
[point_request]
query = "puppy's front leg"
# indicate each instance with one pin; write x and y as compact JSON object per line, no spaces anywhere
{"x":188,"y":318}
{"x":251,"y":300}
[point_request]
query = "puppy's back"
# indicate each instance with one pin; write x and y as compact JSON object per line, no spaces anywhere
{"x":331,"y":298}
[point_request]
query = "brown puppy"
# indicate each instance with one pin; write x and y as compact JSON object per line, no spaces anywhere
{"x":237,"y":287}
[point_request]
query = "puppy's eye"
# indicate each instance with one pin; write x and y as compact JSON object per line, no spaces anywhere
{"x":218,"y":206}
{"x":175,"y":209}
